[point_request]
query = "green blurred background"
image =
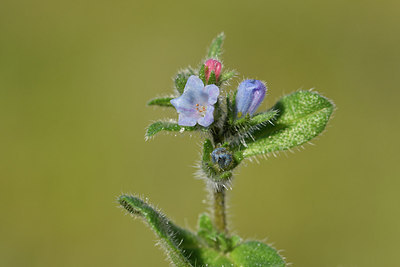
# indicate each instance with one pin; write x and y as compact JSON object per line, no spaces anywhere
{"x":74,"y":80}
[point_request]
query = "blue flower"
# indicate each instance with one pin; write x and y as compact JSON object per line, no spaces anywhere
{"x":196,"y":104}
{"x":249,"y":96}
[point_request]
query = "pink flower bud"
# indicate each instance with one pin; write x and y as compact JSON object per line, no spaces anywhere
{"x":212,"y":65}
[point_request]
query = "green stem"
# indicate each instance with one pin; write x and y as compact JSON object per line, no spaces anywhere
{"x":219,"y":210}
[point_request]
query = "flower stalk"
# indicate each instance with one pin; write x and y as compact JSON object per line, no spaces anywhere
{"x":219,"y":210}
{"x":234,"y":130}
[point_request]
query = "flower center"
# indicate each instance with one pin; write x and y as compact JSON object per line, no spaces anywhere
{"x":201,"y":109}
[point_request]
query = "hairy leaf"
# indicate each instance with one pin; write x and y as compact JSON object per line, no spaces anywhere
{"x":215,"y":49}
{"x":301,"y":116}
{"x":171,"y":236}
{"x":182,"y":247}
{"x":159,"y":126}
{"x":214,"y":238}
{"x":162,"y":102}
{"x":254,"y":253}
{"x":208,"y":248}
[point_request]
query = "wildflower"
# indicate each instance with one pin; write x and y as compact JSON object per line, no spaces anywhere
{"x":196,"y":104}
{"x":212,"y":65}
{"x":249,"y":96}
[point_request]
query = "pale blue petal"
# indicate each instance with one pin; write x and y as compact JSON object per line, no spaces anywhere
{"x":193,"y":83}
{"x":258,"y":97}
{"x":183,"y":104}
{"x":208,"y":118}
{"x":186,"y":120}
{"x":212,"y":92}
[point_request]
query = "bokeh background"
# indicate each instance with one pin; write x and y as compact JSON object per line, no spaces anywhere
{"x":74,"y":80}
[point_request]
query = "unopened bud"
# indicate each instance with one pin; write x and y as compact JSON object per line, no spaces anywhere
{"x":222,"y":157}
{"x":249,"y":96}
{"x":210,"y":66}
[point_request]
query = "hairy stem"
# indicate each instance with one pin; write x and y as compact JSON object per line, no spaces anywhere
{"x":219,"y":210}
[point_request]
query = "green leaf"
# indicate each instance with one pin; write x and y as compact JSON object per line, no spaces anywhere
{"x":254,"y":253}
{"x":215,"y":49}
{"x":206,"y":230}
{"x":171,"y":236}
{"x":301,"y":116}
{"x":214,"y":238}
{"x":182,"y":247}
{"x":162,"y":102}
{"x":159,"y":126}
{"x":208,"y":248}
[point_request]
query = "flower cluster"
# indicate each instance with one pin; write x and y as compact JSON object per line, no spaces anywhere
{"x":227,"y":118}
{"x":196,"y":104}
{"x":233,"y":131}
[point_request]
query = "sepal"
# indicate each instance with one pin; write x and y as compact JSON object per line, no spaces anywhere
{"x":202,"y":73}
{"x":212,"y":79}
{"x":260,"y":118}
{"x":226,"y":76}
{"x":181,"y":79}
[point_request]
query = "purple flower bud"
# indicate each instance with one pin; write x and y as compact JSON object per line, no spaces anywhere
{"x":250,"y":94}
{"x":212,"y":65}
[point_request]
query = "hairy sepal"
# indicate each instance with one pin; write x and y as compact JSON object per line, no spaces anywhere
{"x":181,"y":79}
{"x":226,"y":76}
{"x":260,"y":118}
